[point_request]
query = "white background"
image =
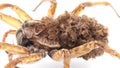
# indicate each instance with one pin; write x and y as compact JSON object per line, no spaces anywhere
{"x":104,"y":15}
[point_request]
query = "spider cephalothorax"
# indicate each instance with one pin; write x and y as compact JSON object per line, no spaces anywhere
{"x":65,"y":37}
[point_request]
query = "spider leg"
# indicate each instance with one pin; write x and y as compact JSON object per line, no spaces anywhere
{"x":22,"y":14}
{"x":87,"y":47}
{"x":10,"y":57}
{"x":83,"y":49}
{"x":6,"y":34}
{"x":82,"y":6}
{"x":10,"y":20}
{"x":25,"y":59}
{"x":111,"y":51}
{"x":4,"y":38}
{"x":61,"y":54}
{"x":13,"y":49}
{"x":52,"y":8}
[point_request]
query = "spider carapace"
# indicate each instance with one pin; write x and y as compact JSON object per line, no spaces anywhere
{"x":65,"y":37}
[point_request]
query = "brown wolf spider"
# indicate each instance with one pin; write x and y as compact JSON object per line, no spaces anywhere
{"x":65,"y":37}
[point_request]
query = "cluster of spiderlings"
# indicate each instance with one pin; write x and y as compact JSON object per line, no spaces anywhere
{"x":79,"y":29}
{"x":75,"y":31}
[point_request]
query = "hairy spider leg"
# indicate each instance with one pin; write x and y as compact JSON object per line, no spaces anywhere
{"x":72,"y":53}
{"x":52,"y":8}
{"x":4,"y":39}
{"x":21,"y":13}
{"x":25,"y":59}
{"x":87,"y":47}
{"x":13,"y":21}
{"x":81,"y":50}
{"x":13,"y":49}
{"x":111,"y":51}
{"x":82,"y":6}
{"x":10,"y":20}
{"x":25,"y":56}
{"x":61,"y":54}
{"x":6,"y":34}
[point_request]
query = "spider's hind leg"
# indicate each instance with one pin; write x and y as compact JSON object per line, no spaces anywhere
{"x":82,"y":6}
{"x":88,"y":47}
{"x":111,"y":51}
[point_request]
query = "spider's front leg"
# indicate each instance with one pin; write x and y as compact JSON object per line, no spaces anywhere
{"x":25,"y":56}
{"x":11,"y":20}
{"x":30,"y":58}
{"x":13,"y":49}
{"x":7,"y":33}
{"x":21,"y":13}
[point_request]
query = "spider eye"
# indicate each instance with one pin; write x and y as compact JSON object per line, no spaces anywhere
{"x":25,"y":25}
{"x":30,"y":23}
{"x":28,"y":29}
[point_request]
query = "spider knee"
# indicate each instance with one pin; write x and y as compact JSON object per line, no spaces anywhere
{"x":59,"y":54}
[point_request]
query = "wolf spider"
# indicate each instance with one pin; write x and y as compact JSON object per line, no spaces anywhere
{"x":65,"y":37}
